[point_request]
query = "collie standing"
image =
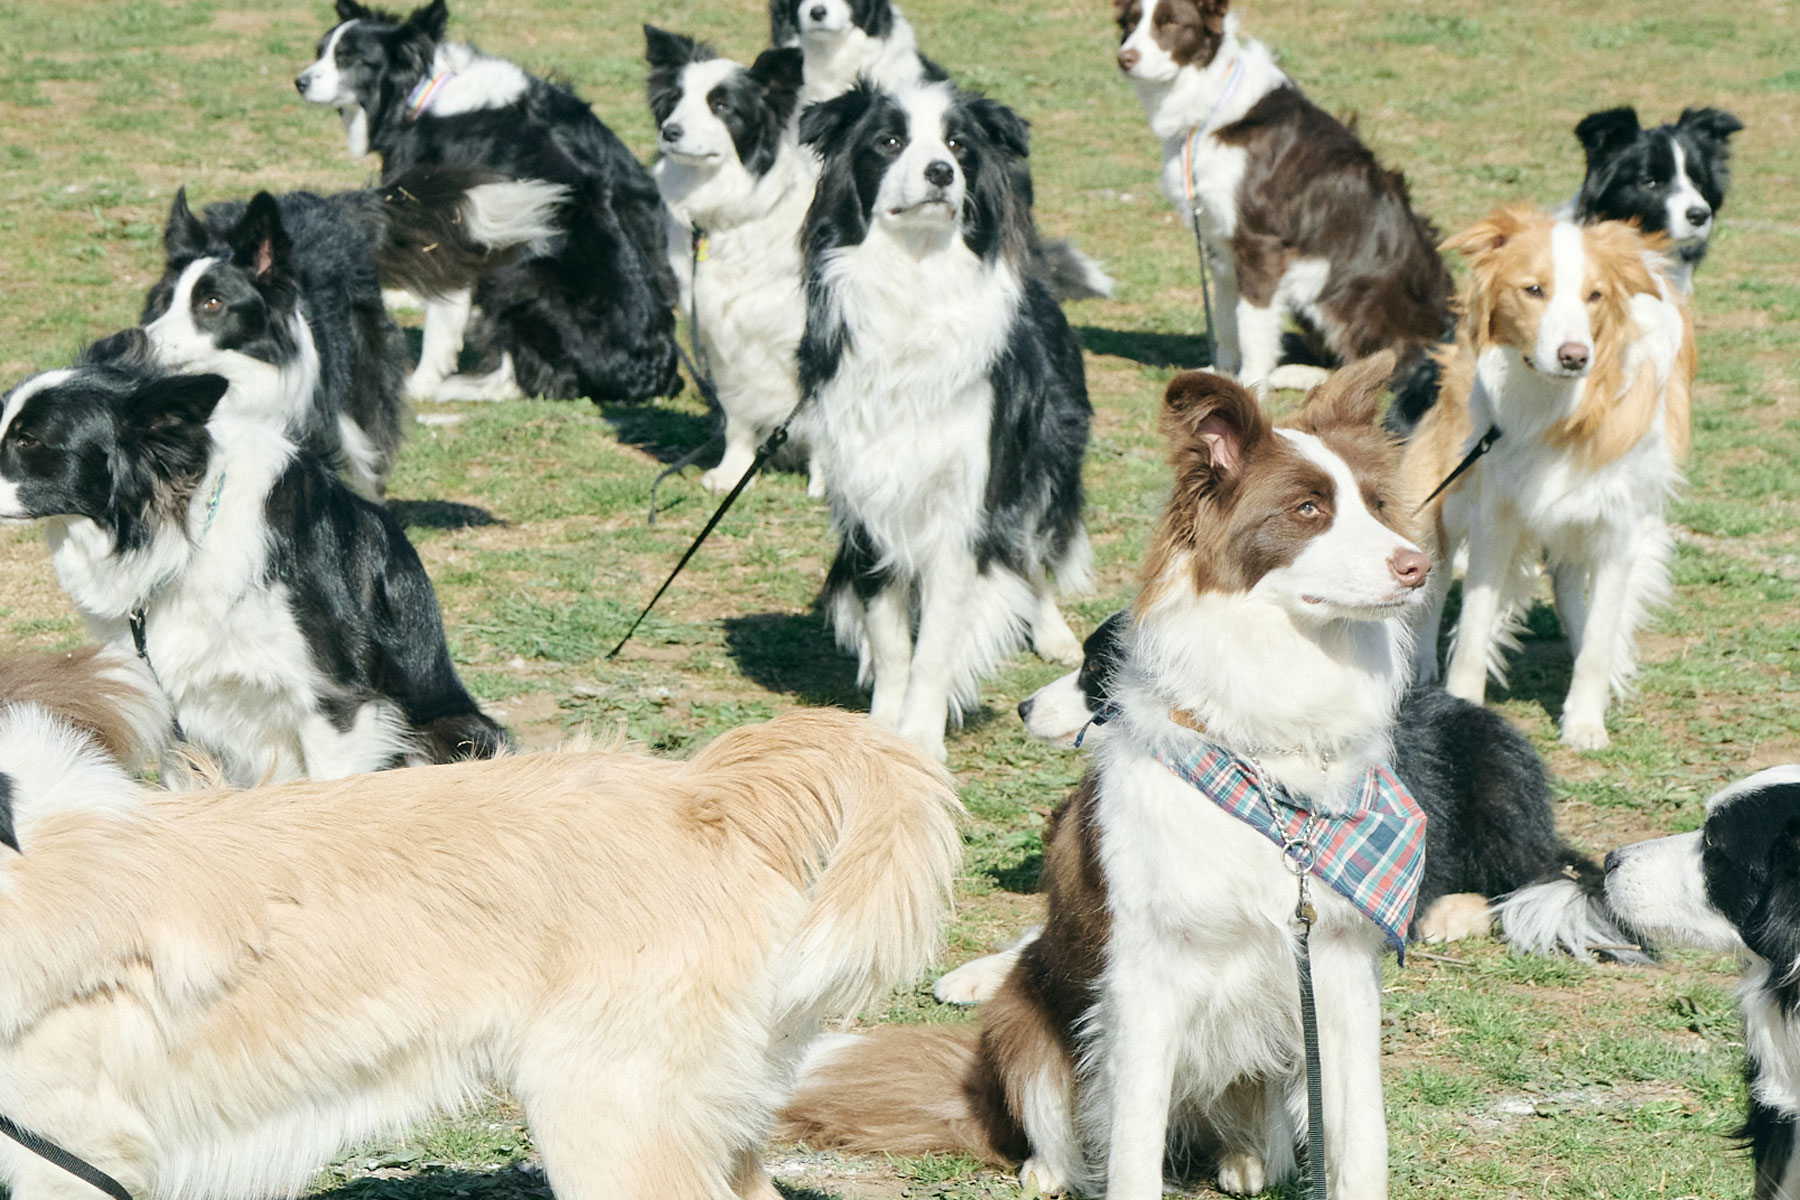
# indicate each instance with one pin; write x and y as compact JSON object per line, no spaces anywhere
{"x":1578,"y":349}
{"x":945,"y":397}
{"x":1298,"y":215}
{"x":1159,"y":1007}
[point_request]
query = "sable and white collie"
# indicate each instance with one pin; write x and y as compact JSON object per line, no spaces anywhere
{"x":288,"y":620}
{"x":1578,"y":349}
{"x":215,"y":993}
{"x":945,"y":397}
{"x":733,"y":177}
{"x":1670,"y":179}
{"x":592,"y":315}
{"x":1159,"y":1009}
{"x":1299,"y":216}
{"x":308,"y":320}
{"x":1733,"y":886}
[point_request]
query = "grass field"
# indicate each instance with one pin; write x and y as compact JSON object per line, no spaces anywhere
{"x":1505,"y":1076}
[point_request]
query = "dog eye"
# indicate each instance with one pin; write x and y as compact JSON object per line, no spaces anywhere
{"x":1308,"y":509}
{"x":1594,"y":298}
{"x":25,"y":441}
{"x":887,"y":143}
{"x":1532,"y":289}
{"x":1648,"y":181}
{"x":211,"y":305}
{"x":956,"y":145}
{"x":720,"y":107}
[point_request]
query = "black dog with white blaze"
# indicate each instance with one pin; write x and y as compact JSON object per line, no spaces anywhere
{"x":592,"y":315}
{"x":293,"y":283}
{"x":944,"y":398}
{"x":1734,"y":886}
{"x":1490,"y":833}
{"x":1669,"y":179}
{"x":288,"y":620}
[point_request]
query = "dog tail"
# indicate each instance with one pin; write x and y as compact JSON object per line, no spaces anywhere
{"x":861,"y":820}
{"x":1568,"y":913}
{"x":105,"y":692}
{"x":901,"y":1089}
{"x":442,"y":227}
{"x":458,"y":737}
{"x":1068,"y":273}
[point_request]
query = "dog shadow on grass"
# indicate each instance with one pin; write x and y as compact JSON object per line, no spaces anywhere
{"x":1539,"y":671}
{"x":446,"y":515}
{"x":1184,"y":350}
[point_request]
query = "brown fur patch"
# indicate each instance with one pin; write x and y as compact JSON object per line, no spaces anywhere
{"x":83,"y":689}
{"x":1190,"y":30}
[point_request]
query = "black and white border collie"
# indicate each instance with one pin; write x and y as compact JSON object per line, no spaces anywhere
{"x":1492,"y":831}
{"x":1734,"y":886}
{"x":1668,"y":179}
{"x":730,"y":172}
{"x":1159,"y":1007}
{"x":304,"y":328}
{"x":1300,"y":218}
{"x":590,"y":317}
{"x":945,"y":397}
{"x":849,"y":40}
{"x":288,"y":620}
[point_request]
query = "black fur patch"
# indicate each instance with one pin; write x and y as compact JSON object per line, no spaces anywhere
{"x":873,"y":17}
{"x":1751,"y":863}
{"x":8,"y":835}
{"x":1631,"y":170}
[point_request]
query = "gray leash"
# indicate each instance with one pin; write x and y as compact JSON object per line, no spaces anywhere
{"x":1212,"y":342}
{"x":55,"y":1155}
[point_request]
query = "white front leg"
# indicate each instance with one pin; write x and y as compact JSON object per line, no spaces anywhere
{"x":1142,"y":1037}
{"x":1494,"y":548}
{"x":1570,"y":583}
{"x":1584,"y":710}
{"x":446,"y":320}
{"x":887,"y":623}
{"x":945,"y":593}
{"x":1259,"y":332}
{"x":1347,"y":985}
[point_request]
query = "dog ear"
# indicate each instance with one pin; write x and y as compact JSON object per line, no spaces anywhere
{"x":431,"y":19}
{"x":1601,"y":133}
{"x":1713,"y":124}
{"x":350,"y":10}
{"x":784,"y":22}
{"x":184,"y":235}
{"x":1490,"y":233}
{"x":1212,"y":423}
{"x":1352,"y":396}
{"x":1772,"y":930}
{"x":165,"y":422}
{"x":128,"y":348}
{"x":259,"y":241}
{"x":1212,"y":15}
{"x":663,"y":49}
{"x":780,"y":73}
{"x":823,"y":125}
{"x":1002,"y":126}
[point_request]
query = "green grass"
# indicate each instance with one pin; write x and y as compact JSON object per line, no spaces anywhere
{"x":1505,"y":1076}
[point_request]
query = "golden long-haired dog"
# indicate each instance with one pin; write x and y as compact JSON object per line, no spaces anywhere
{"x":1575,"y":345}
{"x":210,"y":994}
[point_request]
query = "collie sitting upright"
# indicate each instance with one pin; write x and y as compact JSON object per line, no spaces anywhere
{"x":945,"y":398}
{"x":1159,"y":1008}
{"x":1577,"y":349}
{"x":849,"y":40}
{"x":1299,"y":217}
{"x":735,"y":180}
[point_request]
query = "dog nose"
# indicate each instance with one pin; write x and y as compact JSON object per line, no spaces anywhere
{"x":1128,"y":59}
{"x":672,"y":132}
{"x":939,"y":173}
{"x":1025,"y":709}
{"x":1409,"y":567}
{"x":1613,"y":859}
{"x":817,"y":12}
{"x":1699,"y":215}
{"x":300,"y":84}
{"x":1572,"y":355}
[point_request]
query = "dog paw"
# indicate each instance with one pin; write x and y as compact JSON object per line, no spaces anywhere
{"x":1037,"y":1179}
{"x":1241,"y":1174}
{"x":815,"y":483}
{"x":721,"y":479}
{"x":932,"y":743}
{"x":973,"y":982}
{"x":1297,"y":377}
{"x":1582,"y":734}
{"x":1452,"y":918}
{"x":1059,"y":647}
{"x":421,"y":387}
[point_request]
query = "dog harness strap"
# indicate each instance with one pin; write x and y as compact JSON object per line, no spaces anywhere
{"x":1373,"y":855}
{"x":1481,"y":447}
{"x":1187,"y":176}
{"x":56,"y":1156}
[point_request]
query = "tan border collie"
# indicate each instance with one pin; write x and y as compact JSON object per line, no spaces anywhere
{"x":211,"y":994}
{"x":1159,"y":1007}
{"x":1577,"y":347}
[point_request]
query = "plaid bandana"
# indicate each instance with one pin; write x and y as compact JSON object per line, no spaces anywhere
{"x":1372,"y":855}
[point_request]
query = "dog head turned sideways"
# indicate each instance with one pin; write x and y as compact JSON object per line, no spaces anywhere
{"x":711,"y":111}
{"x":371,"y":56}
{"x":1157,"y":38}
{"x":1304,"y":516}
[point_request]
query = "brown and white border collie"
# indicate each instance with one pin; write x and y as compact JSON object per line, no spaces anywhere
{"x":1299,"y":216}
{"x":1577,"y":347}
{"x":1159,"y":1006}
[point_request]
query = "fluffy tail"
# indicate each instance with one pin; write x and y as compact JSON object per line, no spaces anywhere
{"x":107,"y":693}
{"x":900,"y":1089}
{"x":861,"y":818}
{"x":461,"y":736}
{"x":1568,"y":914}
{"x":1068,"y":273}
{"x":442,"y":227}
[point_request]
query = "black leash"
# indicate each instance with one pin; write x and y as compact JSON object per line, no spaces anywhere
{"x":702,"y":374}
{"x":137,"y":621}
{"x":1320,"y":1187}
{"x":1212,"y":342}
{"x":764,"y":453}
{"x":1482,"y":447}
{"x":56,"y":1156}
